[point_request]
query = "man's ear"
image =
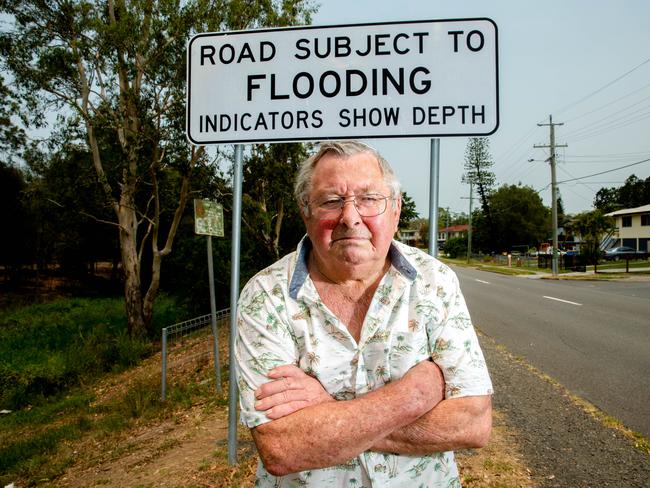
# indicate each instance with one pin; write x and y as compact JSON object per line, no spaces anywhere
{"x":304,"y":212}
{"x":398,"y":211}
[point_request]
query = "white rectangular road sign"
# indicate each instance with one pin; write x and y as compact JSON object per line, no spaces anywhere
{"x":408,"y":79}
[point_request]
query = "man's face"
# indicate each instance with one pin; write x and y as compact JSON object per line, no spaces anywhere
{"x":349,"y":239}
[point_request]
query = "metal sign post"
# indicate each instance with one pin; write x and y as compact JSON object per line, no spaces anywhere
{"x":208,"y":220}
{"x":234,"y":297}
{"x":433,"y":197}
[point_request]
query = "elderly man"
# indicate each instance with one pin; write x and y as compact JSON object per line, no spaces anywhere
{"x":358,"y":364}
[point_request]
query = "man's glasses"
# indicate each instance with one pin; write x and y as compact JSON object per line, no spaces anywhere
{"x":368,"y":205}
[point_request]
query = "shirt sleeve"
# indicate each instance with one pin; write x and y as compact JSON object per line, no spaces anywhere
{"x":454,"y":345}
{"x":264,"y":341}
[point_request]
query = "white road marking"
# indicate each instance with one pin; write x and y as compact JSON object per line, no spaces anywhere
{"x":481,"y":281}
{"x":563,"y":301}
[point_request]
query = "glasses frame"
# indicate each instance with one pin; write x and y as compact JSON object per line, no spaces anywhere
{"x":328,"y":214}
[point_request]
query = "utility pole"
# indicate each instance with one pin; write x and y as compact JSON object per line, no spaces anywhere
{"x":469,"y":227}
{"x":551,"y":159}
{"x":447,"y":226}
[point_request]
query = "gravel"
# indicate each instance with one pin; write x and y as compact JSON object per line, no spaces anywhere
{"x":562,"y":445}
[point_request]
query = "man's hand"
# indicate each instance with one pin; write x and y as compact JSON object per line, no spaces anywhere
{"x":291,"y":390}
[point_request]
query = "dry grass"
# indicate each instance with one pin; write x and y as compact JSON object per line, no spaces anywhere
{"x":498,"y":465}
{"x":189,"y":447}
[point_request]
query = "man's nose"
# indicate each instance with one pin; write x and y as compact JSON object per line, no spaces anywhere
{"x":349,"y":214}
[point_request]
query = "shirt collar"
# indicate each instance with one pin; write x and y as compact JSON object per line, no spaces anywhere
{"x":300,"y":271}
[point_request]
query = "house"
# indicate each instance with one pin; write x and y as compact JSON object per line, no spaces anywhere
{"x":414,"y":236}
{"x":450,"y":232}
{"x":632,"y":227}
{"x":409,"y":236}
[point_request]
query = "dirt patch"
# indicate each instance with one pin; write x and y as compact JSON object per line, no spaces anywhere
{"x":173,"y":453}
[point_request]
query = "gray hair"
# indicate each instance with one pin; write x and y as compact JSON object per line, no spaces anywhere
{"x":302,"y":187}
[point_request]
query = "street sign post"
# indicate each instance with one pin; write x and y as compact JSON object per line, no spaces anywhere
{"x":208,"y":220}
{"x":406,"y":79}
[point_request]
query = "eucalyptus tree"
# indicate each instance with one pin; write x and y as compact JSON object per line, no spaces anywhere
{"x":270,"y":214}
{"x":118,"y":67}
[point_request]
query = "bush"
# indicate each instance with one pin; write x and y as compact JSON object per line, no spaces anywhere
{"x":456,"y":246}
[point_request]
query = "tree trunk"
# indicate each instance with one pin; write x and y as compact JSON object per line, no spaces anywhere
{"x":131,"y":266}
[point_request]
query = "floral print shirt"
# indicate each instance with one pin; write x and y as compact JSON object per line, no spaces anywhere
{"x":417,"y":312}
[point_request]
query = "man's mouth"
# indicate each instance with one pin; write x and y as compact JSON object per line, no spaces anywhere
{"x":350,"y":238}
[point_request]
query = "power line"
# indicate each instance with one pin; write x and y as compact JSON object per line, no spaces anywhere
{"x":609,"y":118}
{"x":608,"y":104}
{"x":613,"y":155}
{"x":605,"y":172}
{"x":602,"y":87}
{"x":608,"y":121}
{"x":606,"y":129}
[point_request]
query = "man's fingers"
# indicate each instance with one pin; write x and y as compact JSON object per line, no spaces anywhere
{"x":285,"y":409}
{"x":277,"y":386}
{"x":286,"y":370}
{"x":283,"y":397}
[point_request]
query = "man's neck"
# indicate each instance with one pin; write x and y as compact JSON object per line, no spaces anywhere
{"x":360,"y":277}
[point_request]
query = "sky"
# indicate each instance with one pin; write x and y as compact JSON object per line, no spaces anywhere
{"x":585,"y":62}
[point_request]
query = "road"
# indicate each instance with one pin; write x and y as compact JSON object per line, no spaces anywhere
{"x":591,"y":336}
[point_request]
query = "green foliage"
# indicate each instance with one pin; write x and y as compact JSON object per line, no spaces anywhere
{"x":456,"y":247}
{"x":65,"y":202}
{"x":409,"y":212}
{"x":17,"y":244}
{"x":12,"y":137}
{"x":634,"y":193}
{"x":78,"y":335}
{"x":116,"y":75}
{"x":591,"y":227}
{"x":270,"y":214}
{"x":519,"y":217}
{"x":46,"y":349}
{"x":28,"y":455}
{"x":478,"y":162}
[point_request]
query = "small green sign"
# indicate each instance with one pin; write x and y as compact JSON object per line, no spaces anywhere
{"x":208,"y":218}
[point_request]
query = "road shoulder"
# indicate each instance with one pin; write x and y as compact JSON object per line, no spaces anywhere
{"x":560,"y":442}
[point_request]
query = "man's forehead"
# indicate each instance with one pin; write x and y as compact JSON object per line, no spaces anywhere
{"x":358,"y":189}
{"x":363,"y":167}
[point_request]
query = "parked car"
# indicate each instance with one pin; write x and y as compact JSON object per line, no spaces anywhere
{"x":624,"y":252}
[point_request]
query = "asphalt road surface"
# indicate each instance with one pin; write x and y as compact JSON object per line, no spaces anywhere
{"x":591,"y":336}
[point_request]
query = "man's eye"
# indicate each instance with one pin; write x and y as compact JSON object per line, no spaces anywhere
{"x":330,"y":203}
{"x":370,"y":199}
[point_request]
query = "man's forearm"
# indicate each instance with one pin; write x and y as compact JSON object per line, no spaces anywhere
{"x":456,"y":423}
{"x":334,"y":432}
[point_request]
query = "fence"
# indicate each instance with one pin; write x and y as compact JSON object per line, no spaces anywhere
{"x":573,"y":262}
{"x":190,"y":329}
{"x":516,"y":260}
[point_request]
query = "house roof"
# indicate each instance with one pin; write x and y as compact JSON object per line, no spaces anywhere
{"x":626,"y":211}
{"x":455,"y":228}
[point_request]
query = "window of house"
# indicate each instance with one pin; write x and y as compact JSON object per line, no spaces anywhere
{"x":627,"y":221}
{"x":645,"y":219}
